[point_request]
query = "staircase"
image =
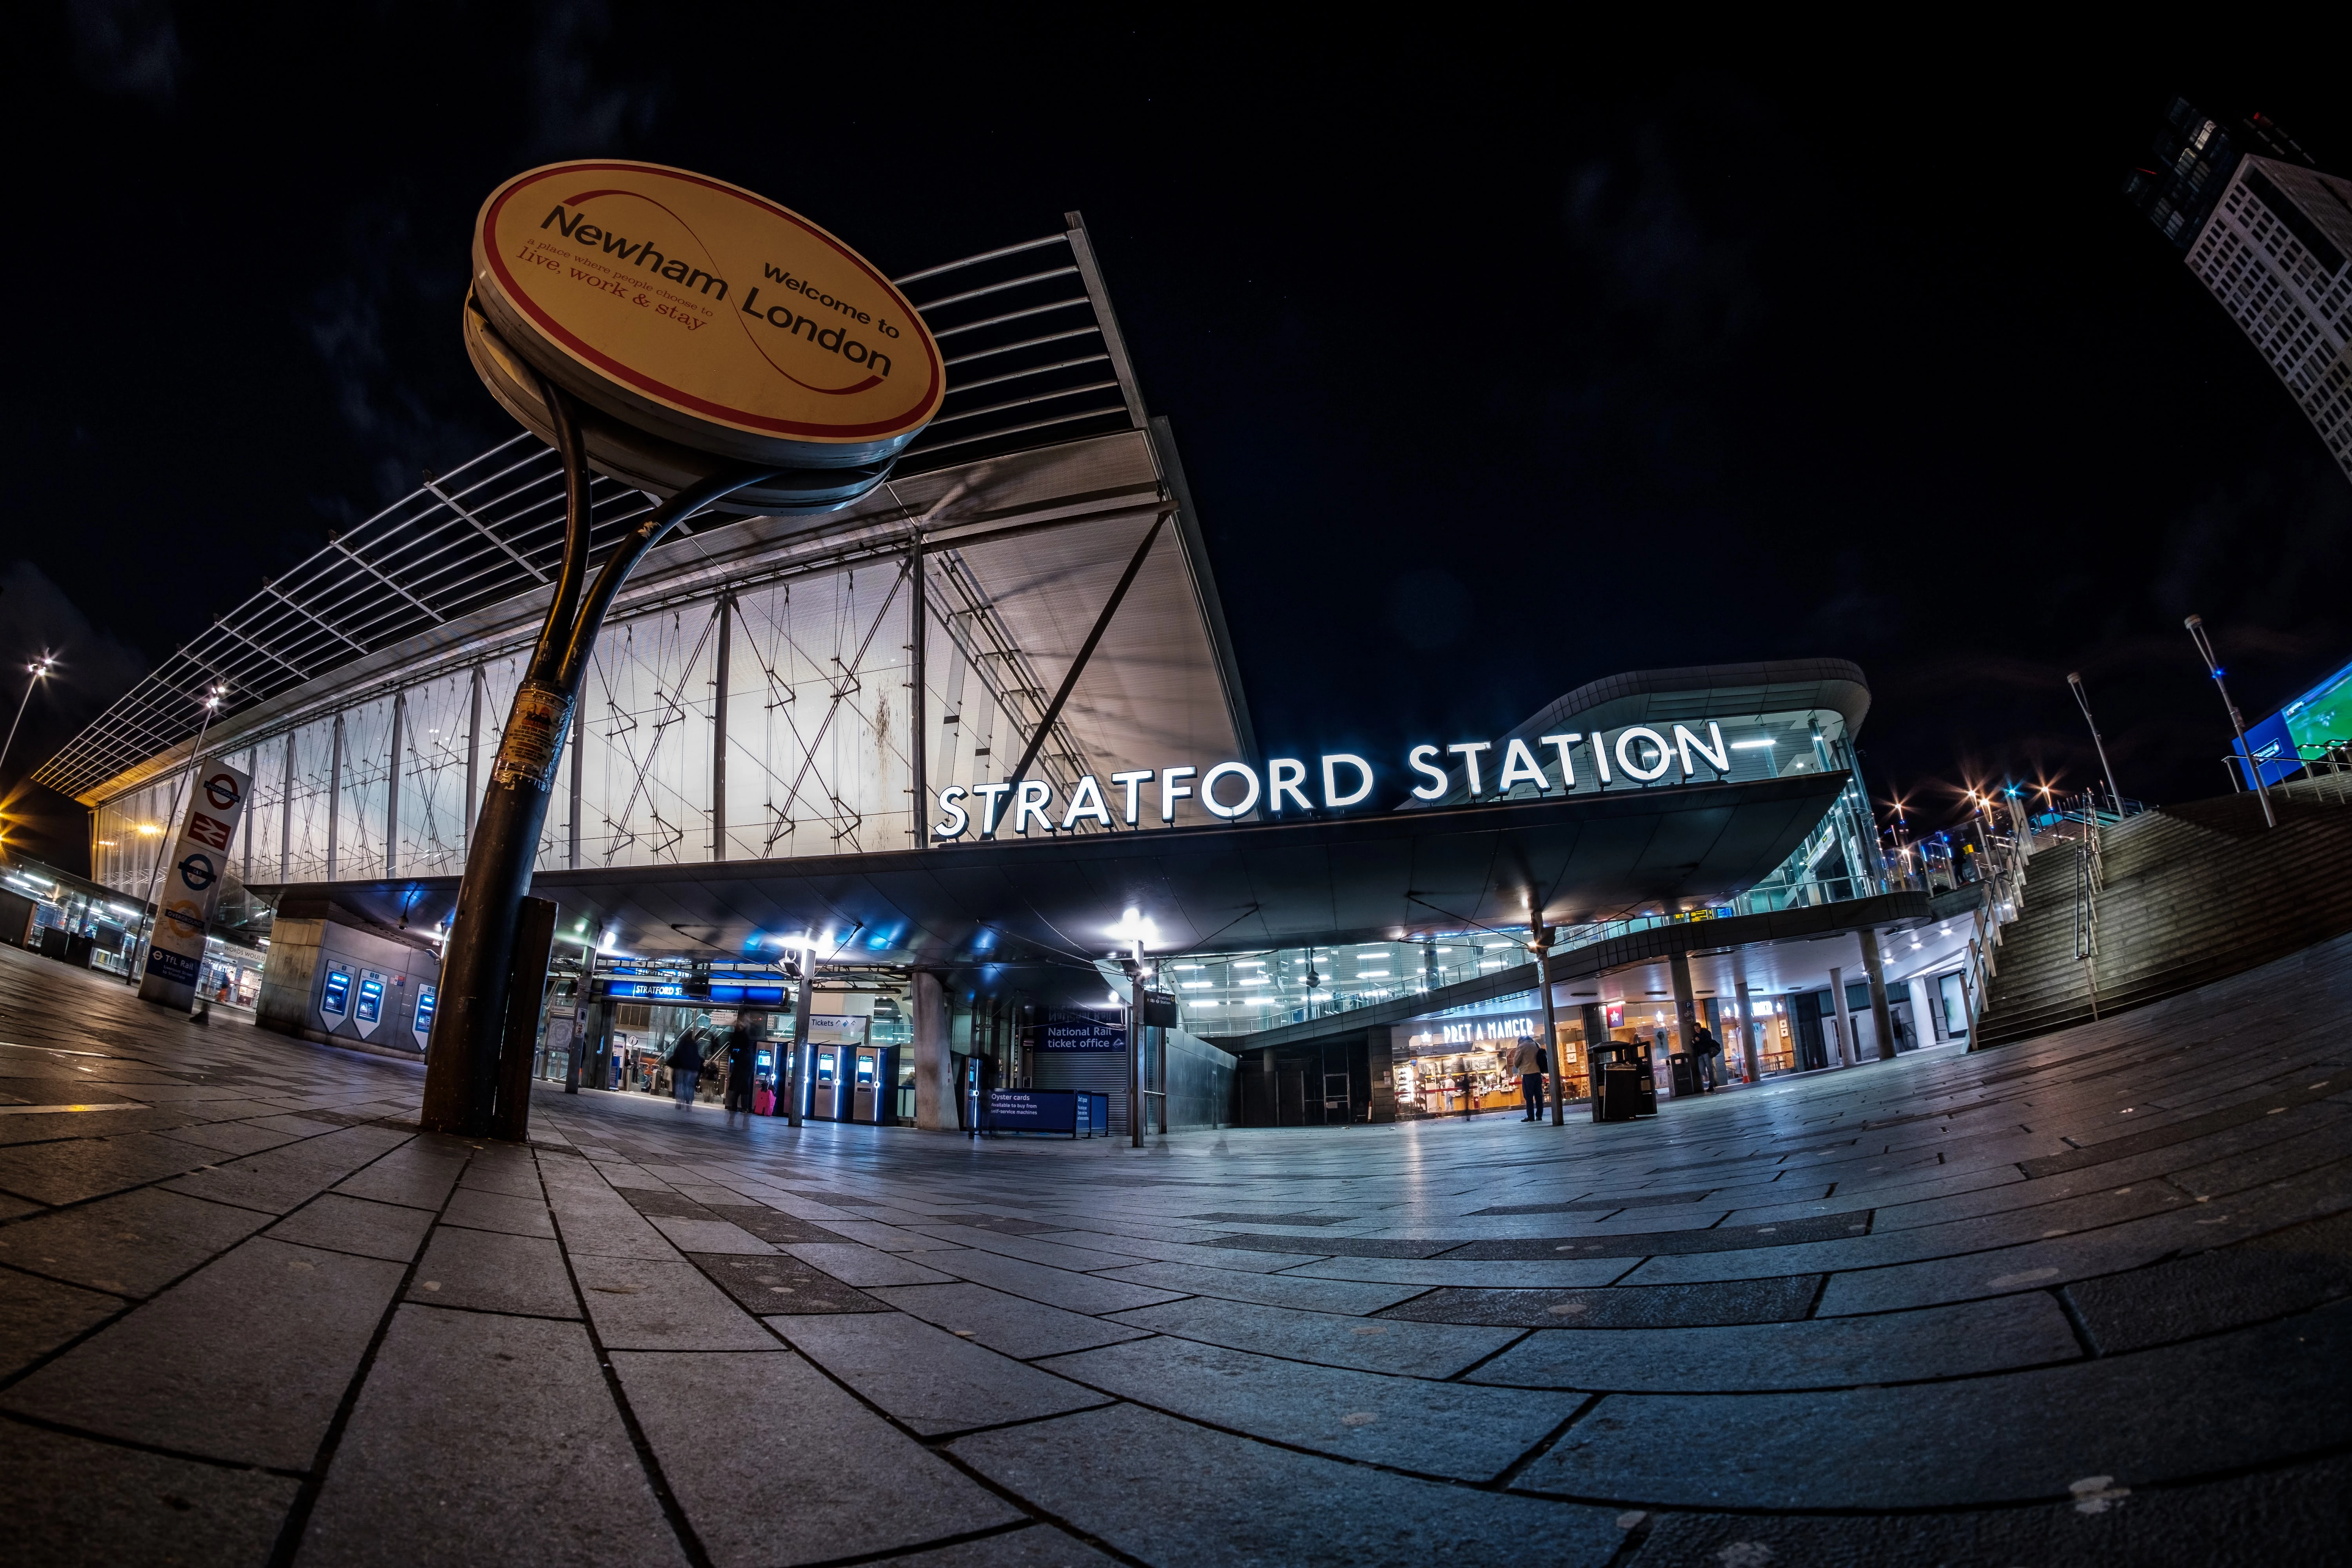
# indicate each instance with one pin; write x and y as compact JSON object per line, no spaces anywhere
{"x":2193,"y":893}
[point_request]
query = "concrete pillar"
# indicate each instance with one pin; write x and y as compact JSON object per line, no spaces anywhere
{"x":1379,"y":1056}
{"x":1752,"y":1066}
{"x":1596,"y":1031}
{"x":935,"y":1086}
{"x":1686,"y":1006}
{"x":1876,"y":967}
{"x":1837,"y":1012}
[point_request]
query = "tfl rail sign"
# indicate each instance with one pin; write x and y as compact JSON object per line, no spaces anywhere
{"x":191,"y":887}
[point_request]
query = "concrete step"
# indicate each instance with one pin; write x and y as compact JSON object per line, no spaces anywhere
{"x":2190,"y":894}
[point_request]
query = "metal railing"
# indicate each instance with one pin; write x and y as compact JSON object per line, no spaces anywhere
{"x":2090,"y":873}
{"x":2325,"y":766}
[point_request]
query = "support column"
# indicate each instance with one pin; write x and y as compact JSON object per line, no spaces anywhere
{"x":918,"y":709}
{"x":253,"y":771}
{"x":1542,"y":945}
{"x":934,"y":1060}
{"x":473,"y":756}
{"x":796,"y":1070}
{"x":1876,"y":967}
{"x":1837,"y":1013}
{"x":719,"y":728}
{"x":1749,"y":1058}
{"x":286,"y":816}
{"x":334,"y":796}
{"x":1686,"y":1013}
{"x":578,"y":738}
{"x":392,"y":789}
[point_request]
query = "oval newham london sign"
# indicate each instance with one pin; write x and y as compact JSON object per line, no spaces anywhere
{"x":704,"y":313}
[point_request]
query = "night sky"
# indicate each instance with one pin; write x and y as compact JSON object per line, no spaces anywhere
{"x":1499,"y":362}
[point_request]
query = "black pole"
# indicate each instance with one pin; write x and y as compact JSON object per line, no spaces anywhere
{"x":461,"y":1066}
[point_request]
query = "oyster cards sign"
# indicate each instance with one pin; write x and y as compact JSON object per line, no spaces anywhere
{"x":1638,"y":753}
{"x":704,"y":312}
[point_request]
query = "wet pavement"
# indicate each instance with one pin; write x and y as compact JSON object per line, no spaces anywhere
{"x":2078,"y":1301}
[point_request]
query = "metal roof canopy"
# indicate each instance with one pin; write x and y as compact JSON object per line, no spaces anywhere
{"x":1035,"y":359}
{"x":1211,"y":889}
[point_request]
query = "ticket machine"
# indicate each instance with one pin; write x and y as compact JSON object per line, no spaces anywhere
{"x":873,"y":1084}
{"x":829,"y":1092}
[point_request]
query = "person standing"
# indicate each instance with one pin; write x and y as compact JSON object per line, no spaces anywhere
{"x":1706,"y":1051}
{"x":1526,"y":1064}
{"x":1467,"y":1088}
{"x":739,"y":1053}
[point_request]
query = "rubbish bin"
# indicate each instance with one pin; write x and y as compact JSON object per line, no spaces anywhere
{"x":1621,"y":1084}
{"x":1685,"y":1073}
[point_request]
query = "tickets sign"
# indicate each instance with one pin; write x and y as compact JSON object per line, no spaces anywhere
{"x":704,"y":313}
{"x":191,"y":886}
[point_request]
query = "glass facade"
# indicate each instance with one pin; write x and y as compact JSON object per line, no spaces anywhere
{"x":816,"y":737}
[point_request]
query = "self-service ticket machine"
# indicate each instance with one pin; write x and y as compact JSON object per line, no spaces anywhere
{"x":825,"y":1096}
{"x":874,"y":1083}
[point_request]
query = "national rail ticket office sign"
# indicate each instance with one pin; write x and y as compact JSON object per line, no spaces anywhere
{"x":191,"y":886}
{"x":704,"y":312}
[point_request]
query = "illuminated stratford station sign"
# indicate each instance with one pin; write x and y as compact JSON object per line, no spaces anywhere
{"x":1638,"y":753}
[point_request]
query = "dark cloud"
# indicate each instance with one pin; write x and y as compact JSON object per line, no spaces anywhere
{"x":128,"y":47}
{"x":580,"y":106}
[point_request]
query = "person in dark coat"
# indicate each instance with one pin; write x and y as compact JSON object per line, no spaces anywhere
{"x":686,"y":1061}
{"x":740,"y":1053}
{"x":1707,"y":1050}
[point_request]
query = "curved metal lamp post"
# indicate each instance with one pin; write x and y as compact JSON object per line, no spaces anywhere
{"x":461,"y":1071}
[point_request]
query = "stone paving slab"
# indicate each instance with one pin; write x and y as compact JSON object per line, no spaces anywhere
{"x":132,"y":1244}
{"x":245,"y":1362}
{"x":1399,"y":1349}
{"x":37,"y":1316}
{"x":1143,"y":1481}
{"x":930,"y":1381}
{"x":855,"y":1263}
{"x":496,"y":1211}
{"x":1833,"y":1353}
{"x":341,"y":1224}
{"x":2276,"y":1393}
{"x":639,"y":1304}
{"x":543,"y":1474}
{"x":1010,"y":1325}
{"x":73,"y":1500}
{"x":1270,"y":1290}
{"x":1457,"y":1430}
{"x":489,"y":1271}
{"x":762,"y":1451}
{"x":1089,"y":1293}
{"x":1623,"y":1306}
{"x":779,"y":1284}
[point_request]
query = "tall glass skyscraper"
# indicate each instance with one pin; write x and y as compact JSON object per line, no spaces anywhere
{"x":2272,"y":236}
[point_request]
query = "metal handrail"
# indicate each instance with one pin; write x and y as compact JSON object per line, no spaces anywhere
{"x":2090,"y":877}
{"x":2326,"y":762}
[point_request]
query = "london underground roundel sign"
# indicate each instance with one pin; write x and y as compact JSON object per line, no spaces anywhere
{"x":704,"y":313}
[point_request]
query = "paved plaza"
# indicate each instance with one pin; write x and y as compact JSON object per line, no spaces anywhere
{"x":2076,"y":1301}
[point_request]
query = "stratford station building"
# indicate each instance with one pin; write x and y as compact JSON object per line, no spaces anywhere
{"x":795,"y":740}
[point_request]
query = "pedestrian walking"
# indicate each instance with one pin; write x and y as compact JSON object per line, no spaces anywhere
{"x":1465,"y":1088}
{"x":686,"y":1060}
{"x":739,"y":1053}
{"x":1525,"y":1062}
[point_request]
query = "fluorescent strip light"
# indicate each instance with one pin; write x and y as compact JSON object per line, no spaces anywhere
{"x":1752,"y":745}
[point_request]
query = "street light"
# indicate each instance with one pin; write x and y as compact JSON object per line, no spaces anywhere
{"x":34,"y":671}
{"x":2195,"y":625}
{"x":2083,"y":700}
